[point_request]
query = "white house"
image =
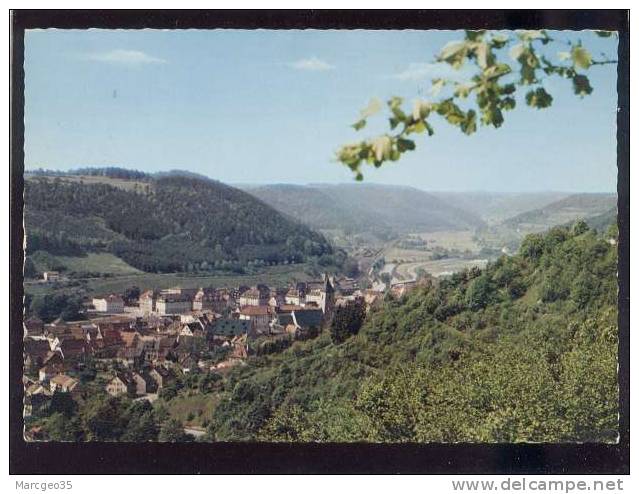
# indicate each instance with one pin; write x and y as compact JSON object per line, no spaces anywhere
{"x":112,"y":304}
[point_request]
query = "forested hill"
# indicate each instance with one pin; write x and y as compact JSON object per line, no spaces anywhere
{"x":524,"y":350}
{"x":365,"y":207}
{"x":564,"y":211}
{"x":163,"y":224}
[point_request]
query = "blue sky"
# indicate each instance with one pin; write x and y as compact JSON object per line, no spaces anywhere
{"x":273,"y":106}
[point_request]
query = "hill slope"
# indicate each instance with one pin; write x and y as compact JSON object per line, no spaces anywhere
{"x":495,"y":207}
{"x":163,"y":224}
{"x":563,"y":211}
{"x":365,"y":207}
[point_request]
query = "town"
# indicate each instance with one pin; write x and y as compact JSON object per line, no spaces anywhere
{"x":142,"y":345}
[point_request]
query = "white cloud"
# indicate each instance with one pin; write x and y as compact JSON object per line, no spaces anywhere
{"x":419,"y":71}
{"x":313,"y":64}
{"x":124,"y":57}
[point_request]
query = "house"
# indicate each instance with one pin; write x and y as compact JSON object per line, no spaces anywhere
{"x":107,"y":343}
{"x":255,"y":296}
{"x":113,"y":304}
{"x":121,"y":384}
{"x":49,"y":371}
{"x":162,"y":377}
{"x":54,"y":358}
{"x":297,"y":323}
{"x":192,"y":329}
{"x":51,"y":276}
{"x":147,"y":300}
{"x":139,"y":383}
{"x":35,"y":352}
{"x":150,"y":346}
{"x":173,"y":304}
{"x":308,"y":318}
{"x":224,"y":330}
{"x":33,"y":326}
{"x":295,"y":296}
{"x":73,"y":348}
{"x":177,"y":290}
{"x":166,"y":346}
{"x":321,"y":294}
{"x":187,"y":362}
{"x":345,"y":286}
{"x":37,"y":398}
{"x":259,"y":316}
{"x":208,"y":299}
{"x":63,"y":383}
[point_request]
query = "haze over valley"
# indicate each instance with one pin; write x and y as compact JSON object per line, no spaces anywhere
{"x":188,"y":224}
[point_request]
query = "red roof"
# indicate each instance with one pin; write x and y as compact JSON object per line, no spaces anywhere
{"x":255,"y":310}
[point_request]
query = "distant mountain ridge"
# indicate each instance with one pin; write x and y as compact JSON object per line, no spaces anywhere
{"x":358,"y":207}
{"x":495,"y":207}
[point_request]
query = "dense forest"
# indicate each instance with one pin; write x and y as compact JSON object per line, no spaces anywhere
{"x":165,"y":224}
{"x":522,"y":351}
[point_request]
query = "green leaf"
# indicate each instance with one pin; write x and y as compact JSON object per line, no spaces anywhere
{"x":469,"y":125}
{"x":395,"y":102}
{"x":395,"y":106}
{"x":360,"y":124}
{"x":474,"y":35}
{"x":581,"y":85}
{"x":417,"y":127}
{"x":421,"y":109}
{"x":581,"y":57}
{"x":604,"y":34}
{"x":538,"y":98}
{"x":507,"y":103}
{"x":499,"y":41}
{"x":453,"y":53}
{"x":429,"y":129}
{"x":405,"y":145}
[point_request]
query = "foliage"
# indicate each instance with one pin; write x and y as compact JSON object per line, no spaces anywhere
{"x":51,"y":306}
{"x":173,"y":432}
{"x":502,"y":63}
{"x":347,"y":320}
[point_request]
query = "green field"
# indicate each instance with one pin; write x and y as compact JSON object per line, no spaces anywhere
{"x":460,"y":240}
{"x":100,"y":263}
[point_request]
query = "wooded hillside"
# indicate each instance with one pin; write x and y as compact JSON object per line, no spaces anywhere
{"x":164,"y":224}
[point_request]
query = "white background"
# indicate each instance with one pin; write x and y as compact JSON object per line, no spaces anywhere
{"x":283,"y":484}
